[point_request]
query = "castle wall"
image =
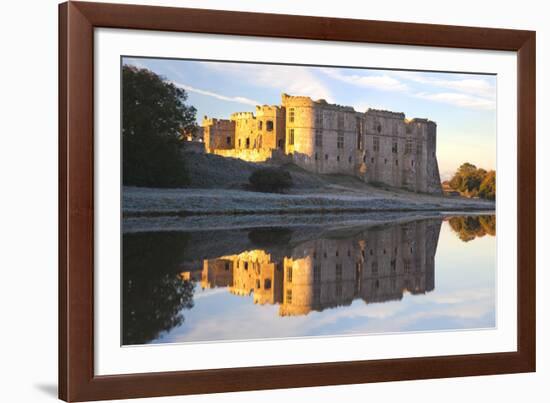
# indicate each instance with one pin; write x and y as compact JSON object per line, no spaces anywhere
{"x":378,"y":264}
{"x":398,"y":152}
{"x":321,"y":137}
{"x":379,"y":147}
{"x":218,"y":134}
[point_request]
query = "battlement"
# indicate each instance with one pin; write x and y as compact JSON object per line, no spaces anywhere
{"x":263,"y":108}
{"x":385,"y":114}
{"x":421,"y":120}
{"x":242,"y":115}
{"x":214,"y":121}
{"x":294,"y":101}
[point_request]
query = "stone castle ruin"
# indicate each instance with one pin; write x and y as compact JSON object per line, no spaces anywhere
{"x":379,"y":147}
{"x":379,"y":264}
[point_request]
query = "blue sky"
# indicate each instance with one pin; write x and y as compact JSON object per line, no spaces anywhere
{"x":462,"y":105}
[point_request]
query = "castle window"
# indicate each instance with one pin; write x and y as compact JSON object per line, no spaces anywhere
{"x":239,"y":143}
{"x":319,"y":118}
{"x":246,"y":265}
{"x":412,"y":163}
{"x":318,"y":138}
{"x":289,"y":274}
{"x":280,"y":143}
{"x":338,"y":158}
{"x":396,"y":162}
{"x":406,"y":266}
{"x":372,"y":160}
{"x":291,"y":136}
{"x":258,"y":283}
{"x":374,"y":268}
{"x":340,"y":140}
{"x":228,"y":140}
{"x":338,"y":272}
{"x":291,"y":115}
{"x":364,"y":158}
{"x":267,"y":284}
{"x":226,"y":266}
{"x":376,"y":144}
{"x":379,"y":128}
{"x":340,"y":121}
{"x":289,"y":296}
{"x":248,"y":142}
{"x":316,"y":157}
{"x":260,"y":124}
{"x":394,"y":147}
{"x":349,"y":159}
{"x":326,"y":157}
{"x":317,"y":273}
{"x":269,"y":125}
{"x":385,"y":160}
{"x":408,"y":146}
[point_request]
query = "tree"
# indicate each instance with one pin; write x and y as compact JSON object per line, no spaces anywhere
{"x":487,"y":188}
{"x":468,"y":180}
{"x":153,"y":115}
{"x":154,"y":296}
{"x":470,"y":227}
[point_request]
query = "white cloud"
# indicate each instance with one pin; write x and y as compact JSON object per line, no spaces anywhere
{"x":380,"y":82}
{"x":296,"y":80}
{"x":458,"y":99}
{"x":474,"y":86}
{"x":238,"y":99}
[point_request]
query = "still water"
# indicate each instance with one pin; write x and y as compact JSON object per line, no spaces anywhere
{"x":311,"y":280}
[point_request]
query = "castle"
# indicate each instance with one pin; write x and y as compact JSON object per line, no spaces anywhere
{"x":377,"y":146}
{"x":376,"y":265}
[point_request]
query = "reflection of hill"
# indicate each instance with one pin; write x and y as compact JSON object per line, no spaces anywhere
{"x":329,"y":269}
{"x":470,"y":227}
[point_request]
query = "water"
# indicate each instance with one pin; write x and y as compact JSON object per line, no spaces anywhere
{"x":310,"y":280}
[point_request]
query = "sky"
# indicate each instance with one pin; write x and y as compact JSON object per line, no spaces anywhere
{"x":462,"y":105}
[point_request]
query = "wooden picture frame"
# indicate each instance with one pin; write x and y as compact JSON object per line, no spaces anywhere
{"x":77,"y":21}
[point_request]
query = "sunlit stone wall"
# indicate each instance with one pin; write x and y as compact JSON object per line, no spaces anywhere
{"x":376,"y":265}
{"x":379,"y":147}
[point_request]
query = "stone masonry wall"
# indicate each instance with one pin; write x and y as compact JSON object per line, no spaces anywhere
{"x":379,"y":147}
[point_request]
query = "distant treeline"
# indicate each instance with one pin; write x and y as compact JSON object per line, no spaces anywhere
{"x":472,"y":181}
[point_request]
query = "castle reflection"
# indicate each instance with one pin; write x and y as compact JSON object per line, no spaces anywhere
{"x":375,"y":264}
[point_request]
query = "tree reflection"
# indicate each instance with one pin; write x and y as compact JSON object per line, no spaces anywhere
{"x":153,"y":293}
{"x":468,"y":228}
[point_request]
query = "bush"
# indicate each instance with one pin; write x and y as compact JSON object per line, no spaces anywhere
{"x":270,"y":180}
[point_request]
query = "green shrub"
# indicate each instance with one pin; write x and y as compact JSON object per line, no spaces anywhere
{"x":270,"y":180}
